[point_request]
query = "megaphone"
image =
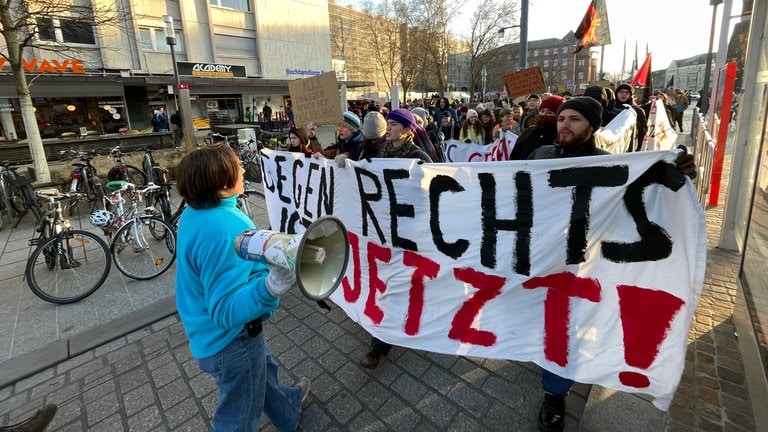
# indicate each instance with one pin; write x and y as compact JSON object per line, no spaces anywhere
{"x":319,"y":255}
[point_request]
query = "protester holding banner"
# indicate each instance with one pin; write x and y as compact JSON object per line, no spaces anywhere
{"x":625,"y":98}
{"x":472,"y":131}
{"x":298,"y":141}
{"x":374,"y":131}
{"x":544,"y":132}
{"x":348,"y":138}
{"x":223,"y":299}
{"x":577,"y":121}
{"x":400,"y":130}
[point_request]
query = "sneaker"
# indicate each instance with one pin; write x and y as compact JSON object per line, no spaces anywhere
{"x":305,"y":384}
{"x":36,"y":423}
{"x":370,"y":360}
{"x":552,"y":414}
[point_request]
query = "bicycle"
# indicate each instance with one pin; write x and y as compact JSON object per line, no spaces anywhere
{"x":214,"y":137}
{"x":19,"y":194}
{"x":160,"y":199}
{"x":123,"y":171}
{"x":67,"y":265}
{"x":142,"y":246}
{"x":84,"y":178}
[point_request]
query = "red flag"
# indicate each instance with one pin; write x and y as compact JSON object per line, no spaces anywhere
{"x":643,"y":75}
{"x":643,"y":81}
{"x":593,"y":29}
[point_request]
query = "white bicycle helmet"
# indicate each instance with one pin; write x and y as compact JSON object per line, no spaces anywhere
{"x":102,"y":218}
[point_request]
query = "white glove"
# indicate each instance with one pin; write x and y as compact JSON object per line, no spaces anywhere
{"x":280,"y":280}
{"x":340,"y":160}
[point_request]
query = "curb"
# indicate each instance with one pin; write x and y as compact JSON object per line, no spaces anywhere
{"x":18,"y":368}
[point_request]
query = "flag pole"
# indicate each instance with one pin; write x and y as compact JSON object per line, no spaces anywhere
{"x":602,"y":56}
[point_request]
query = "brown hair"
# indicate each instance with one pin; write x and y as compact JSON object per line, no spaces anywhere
{"x":202,"y":173}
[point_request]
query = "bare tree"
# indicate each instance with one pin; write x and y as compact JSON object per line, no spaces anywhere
{"x":28,"y":27}
{"x":483,"y":34}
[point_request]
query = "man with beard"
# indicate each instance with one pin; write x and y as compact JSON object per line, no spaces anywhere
{"x":577,"y":121}
{"x":542,"y":133}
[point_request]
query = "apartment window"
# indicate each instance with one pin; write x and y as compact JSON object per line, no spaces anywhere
{"x":582,"y":62}
{"x":535,"y":53}
{"x":546,"y":63}
{"x":564,"y":50}
{"x":76,"y":30}
{"x":554,"y":50}
{"x":153,"y":39}
{"x":564,"y":61}
{"x":241,"y":5}
{"x":581,"y":75}
{"x":546,"y":52}
{"x":535,"y":63}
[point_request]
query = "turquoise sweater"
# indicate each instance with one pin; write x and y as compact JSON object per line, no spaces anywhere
{"x":217,"y":292}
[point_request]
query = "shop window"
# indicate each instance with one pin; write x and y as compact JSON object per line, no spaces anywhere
{"x":241,"y":5}
{"x":153,"y":39}
{"x":65,"y":30}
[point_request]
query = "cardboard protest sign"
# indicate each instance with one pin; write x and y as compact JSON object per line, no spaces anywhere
{"x":316,"y":99}
{"x":591,"y":267}
{"x":524,"y":82}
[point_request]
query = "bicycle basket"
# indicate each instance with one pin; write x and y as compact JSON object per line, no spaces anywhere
{"x":252,"y":172}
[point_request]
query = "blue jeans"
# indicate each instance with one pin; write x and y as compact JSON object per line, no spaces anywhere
{"x":246,"y":375}
{"x":555,"y":384}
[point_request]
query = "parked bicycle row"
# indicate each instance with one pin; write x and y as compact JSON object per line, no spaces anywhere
{"x":133,"y":209}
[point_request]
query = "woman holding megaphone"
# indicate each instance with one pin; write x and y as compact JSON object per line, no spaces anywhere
{"x":222,"y":298}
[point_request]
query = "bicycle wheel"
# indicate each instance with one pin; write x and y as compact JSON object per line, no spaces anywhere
{"x":140,"y":255}
{"x":134,"y":175}
{"x":68,"y":267}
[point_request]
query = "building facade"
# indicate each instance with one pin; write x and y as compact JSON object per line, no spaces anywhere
{"x":233,"y":54}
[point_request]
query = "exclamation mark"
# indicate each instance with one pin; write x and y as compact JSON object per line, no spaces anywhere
{"x":646,"y":317}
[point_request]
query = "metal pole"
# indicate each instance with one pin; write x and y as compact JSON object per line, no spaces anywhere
{"x":523,"y":35}
{"x":708,"y":68}
{"x":183,"y":89}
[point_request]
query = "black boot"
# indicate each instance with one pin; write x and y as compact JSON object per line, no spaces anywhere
{"x":552,"y":414}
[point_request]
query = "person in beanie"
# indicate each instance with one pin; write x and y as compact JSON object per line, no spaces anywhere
{"x":577,"y":121}
{"x":400,"y":129}
{"x":471,"y":130}
{"x":625,"y":99}
{"x":599,"y":94}
{"x":449,"y":127}
{"x":348,"y":138}
{"x":531,"y":111}
{"x":374,"y":131}
{"x":542,"y":133}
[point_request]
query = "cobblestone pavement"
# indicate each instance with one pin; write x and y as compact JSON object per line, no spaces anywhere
{"x":146,"y":380}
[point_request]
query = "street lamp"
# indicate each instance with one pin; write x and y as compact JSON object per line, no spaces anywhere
{"x":708,"y":68}
{"x":185,"y":105}
{"x":522,"y":58}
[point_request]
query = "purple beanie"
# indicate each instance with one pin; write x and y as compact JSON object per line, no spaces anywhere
{"x":404,"y":117}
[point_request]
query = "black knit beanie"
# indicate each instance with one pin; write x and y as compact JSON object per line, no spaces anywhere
{"x":586,"y":106}
{"x":625,"y":87}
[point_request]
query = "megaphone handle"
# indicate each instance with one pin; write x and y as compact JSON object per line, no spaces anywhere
{"x":312,"y":254}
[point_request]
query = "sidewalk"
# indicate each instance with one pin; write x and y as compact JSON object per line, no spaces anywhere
{"x":128,"y":367}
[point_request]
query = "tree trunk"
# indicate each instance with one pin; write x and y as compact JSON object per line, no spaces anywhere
{"x":34,"y":139}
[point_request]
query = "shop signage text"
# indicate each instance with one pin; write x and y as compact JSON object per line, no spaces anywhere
{"x":41,"y":66}
{"x":211,"y":70}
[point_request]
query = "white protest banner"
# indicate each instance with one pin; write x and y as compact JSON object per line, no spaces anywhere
{"x":457,"y":151}
{"x":620,"y":134}
{"x":590,"y":267}
{"x":661,"y":133}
